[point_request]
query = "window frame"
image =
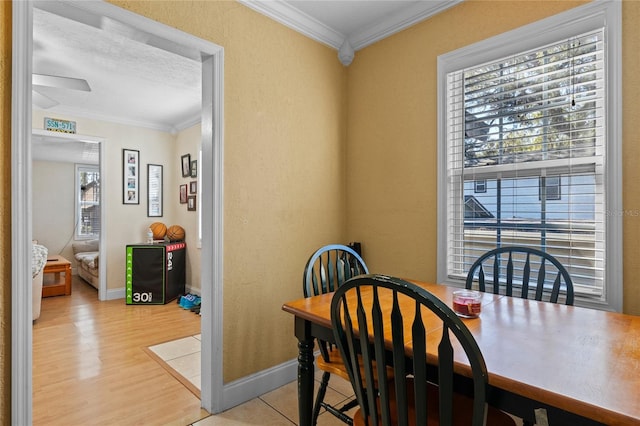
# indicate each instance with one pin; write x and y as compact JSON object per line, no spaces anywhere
{"x":562,"y":26}
{"x":77,"y":216}
{"x":480,"y":186}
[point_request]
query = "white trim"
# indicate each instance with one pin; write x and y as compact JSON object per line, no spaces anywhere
{"x":254,"y":385}
{"x":211,"y":171}
{"x":21,"y":295}
{"x":21,"y":127}
{"x":104,"y":212}
{"x":287,"y":15}
{"x":564,"y":25}
{"x":607,"y":14}
{"x":615,"y":235}
{"x":104,"y":187}
{"x":404,"y":18}
{"x":115,"y":294}
{"x":293,"y":18}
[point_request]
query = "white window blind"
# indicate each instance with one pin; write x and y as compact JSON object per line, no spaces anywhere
{"x":530,"y":130}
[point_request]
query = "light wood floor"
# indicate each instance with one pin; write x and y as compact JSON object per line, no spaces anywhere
{"x":90,"y":367}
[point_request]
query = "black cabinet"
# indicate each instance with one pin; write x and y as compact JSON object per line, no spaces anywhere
{"x":155,"y":273}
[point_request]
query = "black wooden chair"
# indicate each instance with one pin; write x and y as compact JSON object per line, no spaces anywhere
{"x":364,"y":327}
{"x":522,"y":272}
{"x":327,"y":269}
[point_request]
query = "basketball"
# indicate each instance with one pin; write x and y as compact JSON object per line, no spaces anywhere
{"x":175,"y":233}
{"x":159,"y":230}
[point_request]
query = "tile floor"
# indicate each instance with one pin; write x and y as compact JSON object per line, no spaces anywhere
{"x":183,"y":355}
{"x":278,"y":407}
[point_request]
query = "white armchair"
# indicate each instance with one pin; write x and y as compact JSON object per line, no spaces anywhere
{"x":38,"y":260}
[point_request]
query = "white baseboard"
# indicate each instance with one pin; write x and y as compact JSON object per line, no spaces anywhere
{"x":249,"y":387}
{"x":189,"y":288}
{"x":118,"y":293}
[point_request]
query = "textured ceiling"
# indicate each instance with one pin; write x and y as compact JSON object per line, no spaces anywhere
{"x":349,"y":17}
{"x":140,"y":80}
{"x":131,"y":82}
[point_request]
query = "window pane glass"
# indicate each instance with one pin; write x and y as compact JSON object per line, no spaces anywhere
{"x":88,"y":202}
{"x":526,"y":157}
{"x":540,"y":105}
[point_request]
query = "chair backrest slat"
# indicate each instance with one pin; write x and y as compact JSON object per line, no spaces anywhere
{"x":526,"y":272}
{"x":445,"y":359}
{"x":329,"y":267}
{"x":510,"y":276}
{"x":556,"y":289}
{"x":496,"y":274}
{"x":403,"y":312}
{"x":420,"y":366}
{"x":532,"y":272}
{"x":541,"y":278}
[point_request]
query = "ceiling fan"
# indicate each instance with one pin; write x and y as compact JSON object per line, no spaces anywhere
{"x":42,"y":80}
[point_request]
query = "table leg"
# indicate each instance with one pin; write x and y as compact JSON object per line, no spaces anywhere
{"x":305,"y":381}
{"x":67,"y":281}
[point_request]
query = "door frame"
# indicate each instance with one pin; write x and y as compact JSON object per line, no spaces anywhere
{"x":212,"y":391}
{"x":102,"y":247}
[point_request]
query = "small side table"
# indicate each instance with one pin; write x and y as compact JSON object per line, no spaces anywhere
{"x":56,"y":285}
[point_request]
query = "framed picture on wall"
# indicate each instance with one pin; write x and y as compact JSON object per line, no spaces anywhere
{"x":186,"y":165}
{"x":191,"y":205}
{"x":194,"y":168}
{"x":154,"y":190}
{"x":183,"y":193}
{"x":193,"y":187}
{"x":130,"y":176}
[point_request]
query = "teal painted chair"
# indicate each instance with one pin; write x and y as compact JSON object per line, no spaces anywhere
{"x":409,"y":397}
{"x":521,"y":272}
{"x":326,"y":270}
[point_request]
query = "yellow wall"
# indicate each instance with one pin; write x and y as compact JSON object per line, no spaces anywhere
{"x":631,"y":153}
{"x":392,"y":131}
{"x":284,"y":137}
{"x":5,"y":213}
{"x":285,"y":140}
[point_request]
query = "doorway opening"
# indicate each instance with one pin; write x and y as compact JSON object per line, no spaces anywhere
{"x":21,"y":168}
{"x":57,"y":155}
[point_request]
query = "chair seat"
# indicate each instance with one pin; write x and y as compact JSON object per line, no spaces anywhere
{"x":335,"y":365}
{"x":462,"y":414}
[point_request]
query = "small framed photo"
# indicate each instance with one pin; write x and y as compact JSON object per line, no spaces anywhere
{"x":130,"y":176}
{"x":194,"y":168}
{"x":186,"y":165}
{"x":191,"y":204}
{"x":183,"y":193}
{"x":193,"y":187}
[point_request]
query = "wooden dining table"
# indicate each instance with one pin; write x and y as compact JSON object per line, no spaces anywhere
{"x":581,"y":365}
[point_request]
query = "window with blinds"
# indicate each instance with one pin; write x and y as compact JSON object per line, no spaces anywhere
{"x":88,"y":202}
{"x":524,"y":151}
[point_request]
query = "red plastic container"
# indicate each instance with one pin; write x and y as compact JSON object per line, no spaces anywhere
{"x":467,"y":304}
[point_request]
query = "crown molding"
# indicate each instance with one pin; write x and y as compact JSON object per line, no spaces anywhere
{"x":293,"y":18}
{"x":396,"y":22}
{"x":283,"y":12}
